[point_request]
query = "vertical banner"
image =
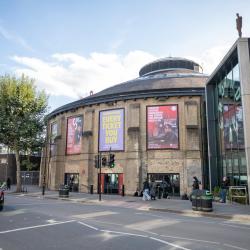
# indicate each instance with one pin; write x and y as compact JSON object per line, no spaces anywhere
{"x":162,"y":127}
{"x":53,"y":134}
{"x":74,"y":134}
{"x":111,"y":130}
{"x":233,"y":126}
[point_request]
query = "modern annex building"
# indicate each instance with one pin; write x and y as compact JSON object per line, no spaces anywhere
{"x":153,"y":124}
{"x":228,"y":117}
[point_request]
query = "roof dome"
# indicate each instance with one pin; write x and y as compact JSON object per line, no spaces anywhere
{"x":170,"y":76}
{"x":169,"y":63}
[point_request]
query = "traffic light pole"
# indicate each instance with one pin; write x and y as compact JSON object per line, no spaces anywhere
{"x":100,"y":173}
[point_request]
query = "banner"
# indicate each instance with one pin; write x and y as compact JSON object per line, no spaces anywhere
{"x":111,"y":130}
{"x":74,"y":135}
{"x":233,"y":126}
{"x":53,"y":134}
{"x":162,"y":127}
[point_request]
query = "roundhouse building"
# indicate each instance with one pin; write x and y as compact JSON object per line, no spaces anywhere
{"x":152,"y":124}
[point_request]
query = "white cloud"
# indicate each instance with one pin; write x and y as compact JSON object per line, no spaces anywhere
{"x":14,"y":38}
{"x":211,"y":57}
{"x":75,"y":76}
{"x":72,"y":75}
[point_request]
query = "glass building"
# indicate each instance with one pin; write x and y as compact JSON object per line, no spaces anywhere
{"x":228,"y":117}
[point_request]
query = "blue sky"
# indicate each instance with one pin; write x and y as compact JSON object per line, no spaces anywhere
{"x":72,"y":47}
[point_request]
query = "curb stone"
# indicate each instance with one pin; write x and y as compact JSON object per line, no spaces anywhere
{"x":234,"y":217}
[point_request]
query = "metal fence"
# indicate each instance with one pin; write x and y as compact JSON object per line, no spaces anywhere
{"x":30,"y":177}
{"x":238,"y":192}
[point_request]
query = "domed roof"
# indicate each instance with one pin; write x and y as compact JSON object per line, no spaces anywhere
{"x":168,"y":63}
{"x":164,"y":77}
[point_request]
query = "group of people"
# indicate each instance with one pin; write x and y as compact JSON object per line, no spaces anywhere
{"x":223,"y":189}
{"x":150,"y":190}
{"x":7,"y":184}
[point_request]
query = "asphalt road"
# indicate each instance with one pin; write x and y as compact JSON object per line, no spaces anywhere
{"x":32,"y":223}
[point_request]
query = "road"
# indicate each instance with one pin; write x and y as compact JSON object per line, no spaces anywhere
{"x":32,"y":223}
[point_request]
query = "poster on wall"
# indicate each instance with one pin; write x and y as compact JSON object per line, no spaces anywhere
{"x":74,"y":134}
{"x":111,"y":130}
{"x":162,"y":127}
{"x":233,"y":126}
{"x":53,"y":133}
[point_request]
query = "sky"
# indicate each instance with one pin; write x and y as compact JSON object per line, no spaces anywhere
{"x":72,"y":47}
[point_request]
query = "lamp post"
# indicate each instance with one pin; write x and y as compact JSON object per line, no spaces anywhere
{"x":100,"y":175}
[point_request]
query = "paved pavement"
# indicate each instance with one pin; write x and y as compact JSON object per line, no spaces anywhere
{"x":228,"y":211}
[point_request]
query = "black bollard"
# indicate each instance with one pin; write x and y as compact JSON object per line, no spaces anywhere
{"x":159,"y":192}
{"x":123,"y":190}
{"x":91,"y":189}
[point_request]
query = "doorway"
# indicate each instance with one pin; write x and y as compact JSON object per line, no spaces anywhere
{"x":111,"y":183}
{"x":72,"y":180}
{"x":173,"y":182}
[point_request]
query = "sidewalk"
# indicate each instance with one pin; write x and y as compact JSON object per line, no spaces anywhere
{"x":226,"y":211}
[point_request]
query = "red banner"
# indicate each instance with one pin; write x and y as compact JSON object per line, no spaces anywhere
{"x":74,"y":135}
{"x":162,"y":127}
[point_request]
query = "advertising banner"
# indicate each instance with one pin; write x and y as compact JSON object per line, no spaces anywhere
{"x":53,"y":134}
{"x":111,"y":130}
{"x":233,"y":126}
{"x":162,"y":127}
{"x":74,"y":134}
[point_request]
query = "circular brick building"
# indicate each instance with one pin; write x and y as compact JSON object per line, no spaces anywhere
{"x":153,"y":125}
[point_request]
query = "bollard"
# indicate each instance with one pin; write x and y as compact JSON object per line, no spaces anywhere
{"x":91,"y":189}
{"x":123,"y":190}
{"x":159,"y":193}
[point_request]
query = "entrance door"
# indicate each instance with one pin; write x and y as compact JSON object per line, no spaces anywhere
{"x":172,"y":180}
{"x":72,"y":180}
{"x":111,"y":183}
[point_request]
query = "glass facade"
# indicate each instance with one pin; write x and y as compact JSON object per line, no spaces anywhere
{"x":231,"y":157}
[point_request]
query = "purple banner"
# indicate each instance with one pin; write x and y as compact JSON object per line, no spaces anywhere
{"x":111,"y":130}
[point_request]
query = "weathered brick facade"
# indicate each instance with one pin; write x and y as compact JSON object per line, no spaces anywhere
{"x":135,"y":162}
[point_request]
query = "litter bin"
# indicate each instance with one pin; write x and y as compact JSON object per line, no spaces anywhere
{"x":64,"y":191}
{"x":202,"y":200}
{"x":196,"y":200}
{"x":206,"y":201}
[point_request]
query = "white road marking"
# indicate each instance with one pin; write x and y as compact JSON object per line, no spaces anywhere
{"x":38,"y":226}
{"x":228,"y":245}
{"x":91,"y":215}
{"x":230,"y":225}
{"x":123,"y":233}
{"x":15,"y":212}
{"x":37,"y":204}
{"x":150,"y":224}
{"x":105,"y":222}
{"x":51,"y":221}
{"x":170,"y":244}
{"x":190,"y":239}
{"x":88,"y":226}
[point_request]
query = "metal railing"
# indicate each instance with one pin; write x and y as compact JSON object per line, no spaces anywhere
{"x":238,"y":192}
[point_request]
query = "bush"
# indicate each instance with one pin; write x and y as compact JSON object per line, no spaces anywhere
{"x":216,"y":191}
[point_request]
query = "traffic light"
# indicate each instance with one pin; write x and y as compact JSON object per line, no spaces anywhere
{"x":104,"y":161}
{"x":111,"y":160}
{"x":96,"y":161}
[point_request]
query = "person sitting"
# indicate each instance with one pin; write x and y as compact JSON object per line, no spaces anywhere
{"x":196,"y":183}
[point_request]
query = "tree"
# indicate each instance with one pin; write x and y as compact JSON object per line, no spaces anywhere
{"x":22,"y":112}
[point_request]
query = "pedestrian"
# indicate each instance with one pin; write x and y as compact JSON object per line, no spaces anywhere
{"x":152,"y":189}
{"x":8,"y":183}
{"x":196,"y":183}
{"x":146,"y":190}
{"x":223,"y":190}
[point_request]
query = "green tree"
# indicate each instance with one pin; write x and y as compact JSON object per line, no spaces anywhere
{"x":22,"y":112}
